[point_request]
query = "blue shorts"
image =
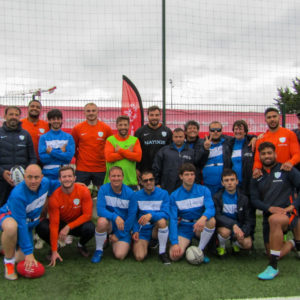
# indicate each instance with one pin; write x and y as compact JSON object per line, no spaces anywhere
{"x":185,"y":229}
{"x":4,"y":214}
{"x":123,"y":236}
{"x":145,"y":232}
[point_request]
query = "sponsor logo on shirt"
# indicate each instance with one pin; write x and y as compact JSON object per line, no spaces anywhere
{"x":21,"y":137}
{"x":83,"y":133}
{"x":145,"y":134}
{"x":3,"y":136}
{"x":155,"y":142}
{"x":282,"y":139}
{"x":42,"y":130}
{"x":76,"y":201}
{"x":277,"y":175}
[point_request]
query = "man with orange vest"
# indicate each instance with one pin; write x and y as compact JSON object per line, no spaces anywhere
{"x":125,"y":151}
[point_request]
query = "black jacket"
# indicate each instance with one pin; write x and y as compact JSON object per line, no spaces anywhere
{"x":275,"y":189}
{"x":16,"y":148}
{"x":166,"y":164}
{"x":243,"y":217}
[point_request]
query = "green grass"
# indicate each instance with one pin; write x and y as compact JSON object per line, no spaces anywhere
{"x":232,"y":277}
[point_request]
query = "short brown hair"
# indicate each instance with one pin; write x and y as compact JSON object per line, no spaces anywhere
{"x":240,"y":123}
{"x":12,"y":107}
{"x":153,"y":108}
{"x":115,"y":168}
{"x":187,"y":167}
{"x":65,"y":168}
{"x":121,"y":118}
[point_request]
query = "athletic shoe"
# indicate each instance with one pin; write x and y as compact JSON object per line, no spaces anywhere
{"x":206,"y":259}
{"x":83,"y":251}
{"x":236,"y":249}
{"x":153,"y":244}
{"x":97,"y":256}
{"x":165,"y":258}
{"x":69,"y":239}
{"x":221,"y":251}
{"x":268,"y":274}
{"x":9,"y":272}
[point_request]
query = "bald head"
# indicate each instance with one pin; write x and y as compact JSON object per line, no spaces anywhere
{"x":33,"y":177}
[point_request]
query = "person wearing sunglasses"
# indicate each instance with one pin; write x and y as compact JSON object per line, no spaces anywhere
{"x":219,"y":157}
{"x":153,"y":206}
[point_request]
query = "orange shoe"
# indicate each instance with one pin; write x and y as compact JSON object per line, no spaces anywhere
{"x":10,"y":273}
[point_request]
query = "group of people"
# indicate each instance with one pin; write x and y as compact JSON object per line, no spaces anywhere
{"x":157,"y":187}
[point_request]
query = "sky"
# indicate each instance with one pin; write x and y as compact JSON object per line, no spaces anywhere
{"x":226,"y":52}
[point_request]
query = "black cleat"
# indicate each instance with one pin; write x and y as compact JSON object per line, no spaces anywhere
{"x":165,"y":258}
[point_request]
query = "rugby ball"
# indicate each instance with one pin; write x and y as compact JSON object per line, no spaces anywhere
{"x":17,"y":174}
{"x":34,"y":272}
{"x":194,"y":255}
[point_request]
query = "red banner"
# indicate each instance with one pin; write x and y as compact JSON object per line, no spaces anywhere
{"x":132,"y":105}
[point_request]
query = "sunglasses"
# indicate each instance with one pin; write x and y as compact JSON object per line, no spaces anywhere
{"x":215,"y":129}
{"x":149,"y":179}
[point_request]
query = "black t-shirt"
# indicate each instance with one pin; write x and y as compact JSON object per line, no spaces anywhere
{"x":151,"y":141}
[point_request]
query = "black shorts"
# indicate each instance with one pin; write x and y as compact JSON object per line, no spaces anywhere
{"x":266,"y":226}
{"x":97,"y":178}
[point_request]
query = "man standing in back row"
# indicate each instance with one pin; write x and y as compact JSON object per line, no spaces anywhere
{"x":34,"y":125}
{"x":90,"y":137}
{"x":285,"y":141}
{"x":123,"y":150}
{"x":152,"y":137}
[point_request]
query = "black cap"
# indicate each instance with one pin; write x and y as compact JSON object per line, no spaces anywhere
{"x":298,"y":115}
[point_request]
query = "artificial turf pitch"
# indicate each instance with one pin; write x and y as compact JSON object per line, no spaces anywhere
{"x":229,"y":278}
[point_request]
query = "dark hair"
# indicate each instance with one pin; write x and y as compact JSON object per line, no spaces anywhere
{"x":228,"y":172}
{"x":147,"y":172}
{"x":240,"y":123}
{"x":12,"y":107}
{"x":191,"y":123}
{"x":115,"y":168}
{"x":153,"y":108}
{"x":65,"y":168}
{"x":34,"y":100}
{"x":215,"y":122}
{"x":269,"y":109}
{"x":187,"y":167}
{"x":298,"y":115}
{"x":121,"y":118}
{"x":265,"y":145}
{"x":54,"y":113}
{"x":178,"y":129}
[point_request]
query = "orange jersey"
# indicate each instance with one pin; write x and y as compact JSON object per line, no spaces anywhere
{"x":286,"y":143}
{"x":90,"y":142}
{"x":35,"y":130}
{"x":74,"y":209}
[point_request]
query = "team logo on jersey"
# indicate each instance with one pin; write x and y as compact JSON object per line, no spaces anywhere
{"x":100,"y":133}
{"x":277,"y":175}
{"x":42,"y":130}
{"x":76,"y":201}
{"x":282,"y":139}
{"x":164,"y":133}
{"x":21,"y":137}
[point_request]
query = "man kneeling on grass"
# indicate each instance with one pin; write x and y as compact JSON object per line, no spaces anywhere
{"x":192,"y":203}
{"x":70,"y":213}
{"x":273,"y":193}
{"x":116,"y":216}
{"x":153,"y":206}
{"x":20,"y":215}
{"x":232,"y":215}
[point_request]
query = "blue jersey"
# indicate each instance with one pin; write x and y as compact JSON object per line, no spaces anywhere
{"x":189,"y":205}
{"x":213,"y":168}
{"x":111,"y":205}
{"x":157,"y":204}
{"x":230,"y":205}
{"x":56,"y":158}
{"x":236,"y":158}
{"x":26,"y":207}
